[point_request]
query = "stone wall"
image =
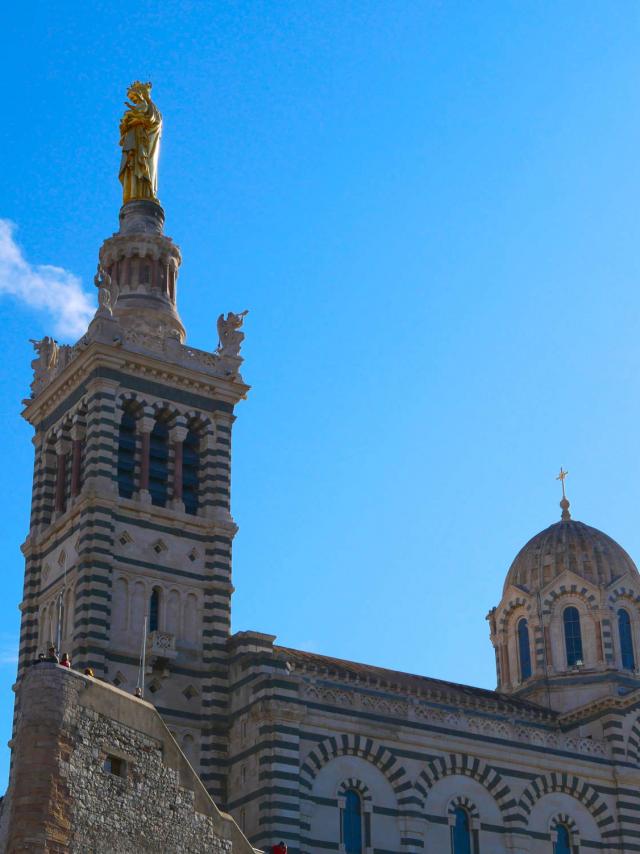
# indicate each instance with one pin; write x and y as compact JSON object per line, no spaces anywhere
{"x":96,"y":771}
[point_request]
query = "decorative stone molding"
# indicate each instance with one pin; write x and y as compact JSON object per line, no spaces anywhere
{"x":419,"y":691}
{"x":464,"y":722}
{"x":161,"y":645}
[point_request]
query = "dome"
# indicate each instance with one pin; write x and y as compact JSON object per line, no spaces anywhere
{"x":572,"y":545}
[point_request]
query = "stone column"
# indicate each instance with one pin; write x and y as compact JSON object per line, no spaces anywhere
{"x":62,"y":450}
{"x":177,"y":435}
{"x":145,"y":425}
{"x":172,"y":277}
{"x":77,"y":439}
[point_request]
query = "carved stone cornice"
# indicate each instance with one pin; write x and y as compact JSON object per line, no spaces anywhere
{"x":88,"y":356}
{"x":600,"y":707}
{"x":353,"y":699}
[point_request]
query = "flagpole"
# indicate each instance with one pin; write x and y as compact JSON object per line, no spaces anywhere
{"x":143,"y":653}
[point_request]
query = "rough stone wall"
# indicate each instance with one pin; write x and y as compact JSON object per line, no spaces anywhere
{"x":64,"y":799}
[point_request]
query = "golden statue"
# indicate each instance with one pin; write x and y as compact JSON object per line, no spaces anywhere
{"x":140,"y":132}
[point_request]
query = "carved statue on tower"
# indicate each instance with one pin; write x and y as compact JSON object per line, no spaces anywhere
{"x":140,"y":132}
{"x":46,"y":360}
{"x":228,"y":332}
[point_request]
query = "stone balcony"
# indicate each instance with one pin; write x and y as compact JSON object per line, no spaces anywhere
{"x":161,"y":645}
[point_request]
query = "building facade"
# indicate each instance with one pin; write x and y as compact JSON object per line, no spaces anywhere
{"x":130,"y":551}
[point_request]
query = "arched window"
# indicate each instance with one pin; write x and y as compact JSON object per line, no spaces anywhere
{"x":562,"y":845}
{"x":572,"y":636}
{"x":352,"y":823}
{"x":154,"y":610}
{"x":159,"y":463}
{"x":626,"y":640}
{"x":524,"y":649}
{"x":461,"y":840}
{"x":190,"y":466}
{"x":126,"y":455}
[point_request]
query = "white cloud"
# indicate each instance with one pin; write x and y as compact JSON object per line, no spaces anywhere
{"x":43,"y":287}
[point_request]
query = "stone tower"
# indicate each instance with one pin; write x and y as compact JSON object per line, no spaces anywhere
{"x":130,"y":511}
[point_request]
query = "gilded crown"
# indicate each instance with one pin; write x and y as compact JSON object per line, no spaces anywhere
{"x":138,"y":84}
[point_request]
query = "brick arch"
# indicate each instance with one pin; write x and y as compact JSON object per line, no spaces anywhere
{"x":467,"y":766}
{"x":365,"y":748}
{"x":569,"y":784}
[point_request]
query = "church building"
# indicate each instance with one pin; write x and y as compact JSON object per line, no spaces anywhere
{"x":131,"y":526}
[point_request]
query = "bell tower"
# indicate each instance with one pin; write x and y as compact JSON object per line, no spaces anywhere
{"x":130,"y":519}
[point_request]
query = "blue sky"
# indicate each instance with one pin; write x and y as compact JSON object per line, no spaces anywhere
{"x":431,"y":211}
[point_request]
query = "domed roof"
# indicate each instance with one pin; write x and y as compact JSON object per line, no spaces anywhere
{"x":572,"y":545}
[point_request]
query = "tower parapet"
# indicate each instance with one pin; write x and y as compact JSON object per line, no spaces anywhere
{"x":143,"y":263}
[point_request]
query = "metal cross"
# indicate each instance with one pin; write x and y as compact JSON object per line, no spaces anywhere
{"x":561,"y":478}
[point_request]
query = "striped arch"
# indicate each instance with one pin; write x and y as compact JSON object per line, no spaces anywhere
{"x":356,"y":745}
{"x":467,"y":766}
{"x":131,"y":397}
{"x":518,"y":602}
{"x":466,"y":803}
{"x":569,"y":823}
{"x":633,"y":743}
{"x":194,"y":416}
{"x":131,"y":401}
{"x":571,"y":590}
{"x":626,"y":593}
{"x":569,"y":784}
{"x":77,"y":413}
{"x":354,"y":785}
{"x":162,"y":407}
